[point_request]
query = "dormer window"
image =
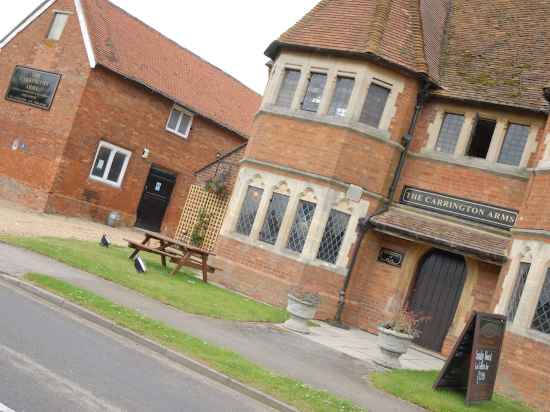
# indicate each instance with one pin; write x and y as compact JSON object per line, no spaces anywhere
{"x":342,"y":94}
{"x":314,"y":93}
{"x":180,"y":121}
{"x":58,"y":25}
{"x":375,"y":104}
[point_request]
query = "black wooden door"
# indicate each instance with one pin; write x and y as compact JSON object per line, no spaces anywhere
{"x":436,"y":293}
{"x":155,"y":199}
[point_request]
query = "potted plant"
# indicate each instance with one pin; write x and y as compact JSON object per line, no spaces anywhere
{"x":302,"y":306}
{"x":395,"y":337}
{"x":217,"y":184}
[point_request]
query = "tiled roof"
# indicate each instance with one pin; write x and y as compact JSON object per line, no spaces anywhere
{"x":440,"y":232}
{"x":498,"y":51}
{"x":129,"y":47}
{"x":493,"y":51}
{"x":389,"y":29}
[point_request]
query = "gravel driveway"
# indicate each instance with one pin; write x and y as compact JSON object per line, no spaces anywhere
{"x":17,"y":220}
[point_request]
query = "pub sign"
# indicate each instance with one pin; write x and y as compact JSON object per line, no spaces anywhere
{"x":461,"y":208}
{"x":33,"y":87}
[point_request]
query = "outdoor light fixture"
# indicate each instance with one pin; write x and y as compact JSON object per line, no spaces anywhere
{"x":105,"y":241}
{"x":140,"y":265}
{"x":146,"y":153}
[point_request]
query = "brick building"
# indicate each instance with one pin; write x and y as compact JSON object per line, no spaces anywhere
{"x":400,"y":158}
{"x":104,"y":114}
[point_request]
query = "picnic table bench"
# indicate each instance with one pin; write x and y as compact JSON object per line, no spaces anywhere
{"x":179,"y":253}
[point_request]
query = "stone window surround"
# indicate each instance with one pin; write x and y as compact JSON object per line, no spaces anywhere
{"x":502,"y":119}
{"x":364,"y":74}
{"x":325,"y":199}
{"x":537,"y":253}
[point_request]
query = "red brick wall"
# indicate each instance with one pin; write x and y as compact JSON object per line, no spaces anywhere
{"x":27,"y":175}
{"x":525,"y":371}
{"x":126,"y":114}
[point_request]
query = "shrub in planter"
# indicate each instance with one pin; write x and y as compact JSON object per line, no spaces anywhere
{"x":395,"y":337}
{"x":302,"y":306}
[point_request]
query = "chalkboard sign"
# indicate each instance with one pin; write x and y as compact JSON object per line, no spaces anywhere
{"x":473,"y":363}
{"x":33,"y":87}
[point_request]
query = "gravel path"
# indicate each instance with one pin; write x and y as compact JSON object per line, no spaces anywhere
{"x":17,"y":220}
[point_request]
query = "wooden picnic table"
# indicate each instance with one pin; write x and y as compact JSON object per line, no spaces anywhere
{"x":179,"y":253}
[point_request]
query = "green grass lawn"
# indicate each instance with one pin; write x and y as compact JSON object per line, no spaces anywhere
{"x":183,"y":291}
{"x":416,"y":387}
{"x":290,"y":391}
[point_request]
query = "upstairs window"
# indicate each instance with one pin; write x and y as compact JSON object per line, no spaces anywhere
{"x":274,"y":218}
{"x":481,"y":138}
{"x":288,"y":88}
{"x":342,"y":94}
{"x":179,"y":122}
{"x":333,"y":237}
{"x":541,"y":321}
{"x":314,"y":93}
{"x":514,"y":144}
{"x":449,"y":133}
{"x":249,"y":210}
{"x":58,"y":25}
{"x":518,"y":290}
{"x":110,"y":164}
{"x":375,"y":104}
{"x":300,"y":227}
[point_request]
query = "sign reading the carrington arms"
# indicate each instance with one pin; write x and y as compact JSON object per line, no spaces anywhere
{"x":33,"y":87}
{"x":462,"y":208}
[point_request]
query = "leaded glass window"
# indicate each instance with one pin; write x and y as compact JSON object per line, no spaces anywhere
{"x":541,"y":321}
{"x":514,"y":144}
{"x":518,"y":290}
{"x":314,"y":93}
{"x":333,"y":237}
{"x":288,"y":88}
{"x":342,"y":94}
{"x":375,"y":105}
{"x":274,"y":218}
{"x":300,"y":227}
{"x":449,"y":133}
{"x":249,"y":210}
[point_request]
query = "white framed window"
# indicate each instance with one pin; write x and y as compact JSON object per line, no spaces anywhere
{"x":58,"y":25}
{"x":110,"y":164}
{"x":180,"y":121}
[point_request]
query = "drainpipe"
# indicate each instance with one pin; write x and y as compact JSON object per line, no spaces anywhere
{"x":365,"y":224}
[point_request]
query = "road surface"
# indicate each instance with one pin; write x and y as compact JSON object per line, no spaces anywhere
{"x":52,"y":361}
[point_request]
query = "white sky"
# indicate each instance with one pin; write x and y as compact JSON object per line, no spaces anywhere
{"x":230,"y":34}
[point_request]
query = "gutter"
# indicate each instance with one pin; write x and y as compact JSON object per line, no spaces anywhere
{"x":366,"y":224}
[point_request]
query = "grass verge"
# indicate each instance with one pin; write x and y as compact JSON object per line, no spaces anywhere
{"x":182,"y":291}
{"x":416,"y":387}
{"x":290,"y":391}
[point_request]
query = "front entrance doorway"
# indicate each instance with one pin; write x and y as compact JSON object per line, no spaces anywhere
{"x":154,"y":201}
{"x":435,"y":295}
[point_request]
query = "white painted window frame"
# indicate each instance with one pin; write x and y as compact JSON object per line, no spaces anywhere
{"x":185,"y":112}
{"x":56,"y":13}
{"x":114,"y":149}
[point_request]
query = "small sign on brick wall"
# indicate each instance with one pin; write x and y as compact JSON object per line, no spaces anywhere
{"x":33,"y":87}
{"x":390,"y":257}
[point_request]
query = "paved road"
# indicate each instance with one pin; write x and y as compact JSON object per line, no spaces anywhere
{"x":51,"y":361}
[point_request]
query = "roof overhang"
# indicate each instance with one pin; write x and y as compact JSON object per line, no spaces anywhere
{"x":463,"y":239}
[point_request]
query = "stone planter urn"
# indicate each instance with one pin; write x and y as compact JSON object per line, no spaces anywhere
{"x":392,"y":345}
{"x":302,"y":309}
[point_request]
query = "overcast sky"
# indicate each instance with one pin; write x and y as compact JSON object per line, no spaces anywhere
{"x":230,"y":34}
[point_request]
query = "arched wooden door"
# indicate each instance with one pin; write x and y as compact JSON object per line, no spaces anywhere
{"x":435,"y":295}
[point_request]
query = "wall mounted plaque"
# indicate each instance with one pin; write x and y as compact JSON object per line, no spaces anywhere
{"x":461,"y":208}
{"x":33,"y":87}
{"x":390,"y":257}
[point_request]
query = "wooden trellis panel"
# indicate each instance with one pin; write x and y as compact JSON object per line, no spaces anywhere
{"x":213,"y":204}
